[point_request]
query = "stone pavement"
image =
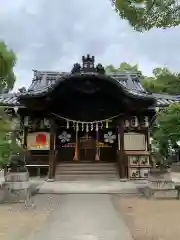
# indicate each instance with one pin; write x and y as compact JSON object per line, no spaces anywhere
{"x":89,"y":187}
{"x":83,"y":217}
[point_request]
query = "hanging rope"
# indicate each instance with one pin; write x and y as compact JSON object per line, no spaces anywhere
{"x":75,"y":121}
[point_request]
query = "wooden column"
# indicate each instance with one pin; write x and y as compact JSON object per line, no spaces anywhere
{"x":25,"y":131}
{"x":76,"y":152}
{"x":97,"y":155}
{"x":52,"y":157}
{"x":148,"y":144}
{"x":121,"y":155}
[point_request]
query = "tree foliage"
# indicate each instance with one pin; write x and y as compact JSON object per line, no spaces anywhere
{"x":161,"y":81}
{"x":167,"y":130}
{"x":7,"y":63}
{"x":144,"y":15}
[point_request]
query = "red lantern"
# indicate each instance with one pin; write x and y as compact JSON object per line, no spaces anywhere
{"x":41,"y":139}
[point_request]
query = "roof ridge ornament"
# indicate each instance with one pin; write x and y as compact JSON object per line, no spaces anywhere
{"x":88,"y":66}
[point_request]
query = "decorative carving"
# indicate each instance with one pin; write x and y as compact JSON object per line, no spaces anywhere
{"x":134,"y":173}
{"x":109,"y":137}
{"x":133,"y":160}
{"x":88,"y":66}
{"x":144,"y":160}
{"x":76,"y":68}
{"x":100,"y":69}
{"x":64,"y":137}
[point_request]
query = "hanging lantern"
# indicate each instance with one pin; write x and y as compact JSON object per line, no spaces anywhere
{"x":16,"y":109}
{"x":41,"y":124}
{"x":91,"y":126}
{"x":26,"y":121}
{"x":134,"y":121}
{"x":46,"y":122}
{"x":146,"y":121}
{"x":101,"y":125}
{"x":106,"y":123}
{"x":126,"y":123}
{"x":96,"y":127}
{"x":67,"y":124}
{"x":87,"y":127}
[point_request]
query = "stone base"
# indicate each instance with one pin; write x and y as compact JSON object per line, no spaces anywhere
{"x":50,"y":180}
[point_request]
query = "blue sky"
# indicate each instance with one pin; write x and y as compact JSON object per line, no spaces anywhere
{"x":52,"y":35}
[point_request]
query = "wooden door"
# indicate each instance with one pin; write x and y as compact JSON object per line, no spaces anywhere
{"x":87,"y":147}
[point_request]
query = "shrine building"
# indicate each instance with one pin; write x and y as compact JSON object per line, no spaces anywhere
{"x":86,"y":117}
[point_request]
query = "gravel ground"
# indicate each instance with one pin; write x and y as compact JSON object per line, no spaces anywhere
{"x":150,"y":219}
{"x":18,"y":223}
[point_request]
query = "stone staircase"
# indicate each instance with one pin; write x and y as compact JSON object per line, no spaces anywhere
{"x":75,"y":171}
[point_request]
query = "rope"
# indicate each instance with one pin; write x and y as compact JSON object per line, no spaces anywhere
{"x":75,"y":121}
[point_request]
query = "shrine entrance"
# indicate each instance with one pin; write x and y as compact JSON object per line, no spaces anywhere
{"x":87,"y":147}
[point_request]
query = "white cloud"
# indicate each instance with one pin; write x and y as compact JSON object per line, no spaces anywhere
{"x":52,"y":35}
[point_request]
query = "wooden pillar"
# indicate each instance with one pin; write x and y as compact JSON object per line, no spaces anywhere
{"x":52,"y":157}
{"x":121,"y":155}
{"x":97,"y":155}
{"x":76,"y":152}
{"x":25,"y":131}
{"x":148,"y":143}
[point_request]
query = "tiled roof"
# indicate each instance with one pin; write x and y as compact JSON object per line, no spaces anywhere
{"x":165,"y":100}
{"x":45,"y":81}
{"x":9,"y":99}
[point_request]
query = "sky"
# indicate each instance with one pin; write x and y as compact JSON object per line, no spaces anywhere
{"x":53,"y":35}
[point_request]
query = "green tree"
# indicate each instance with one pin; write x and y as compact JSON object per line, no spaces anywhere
{"x":144,"y":15}
{"x":167,"y":130}
{"x":123,"y":67}
{"x":7,"y":80}
{"x":163,"y":81}
{"x":7,"y":63}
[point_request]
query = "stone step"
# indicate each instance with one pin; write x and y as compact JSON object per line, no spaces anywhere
{"x":86,"y":164}
{"x":86,"y":172}
{"x":75,"y":177}
{"x":88,"y":168}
